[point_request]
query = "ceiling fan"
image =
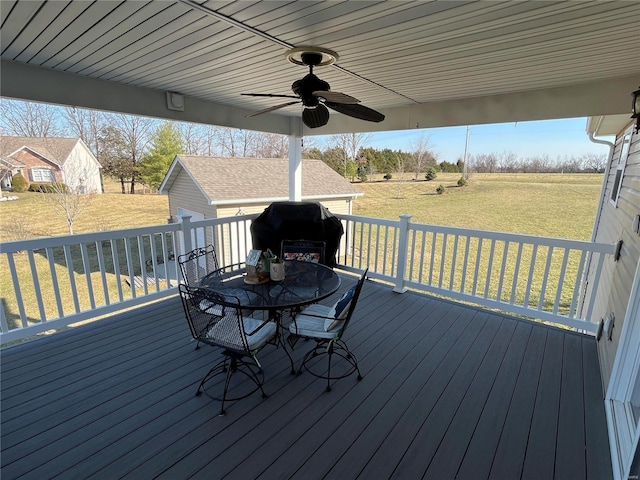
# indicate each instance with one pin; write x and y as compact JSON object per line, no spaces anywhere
{"x":315,"y":94}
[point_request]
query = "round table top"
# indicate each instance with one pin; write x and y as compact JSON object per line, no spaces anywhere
{"x":304,"y":283}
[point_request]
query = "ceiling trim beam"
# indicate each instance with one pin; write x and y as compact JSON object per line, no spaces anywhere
{"x":39,"y":84}
{"x":607,"y":97}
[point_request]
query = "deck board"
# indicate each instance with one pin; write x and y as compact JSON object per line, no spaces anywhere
{"x":448,"y":390}
{"x":484,"y":440}
{"x":539,"y":461}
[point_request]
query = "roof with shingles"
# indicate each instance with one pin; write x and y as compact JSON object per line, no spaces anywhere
{"x":11,"y":162}
{"x":56,"y":150}
{"x":237,"y":178}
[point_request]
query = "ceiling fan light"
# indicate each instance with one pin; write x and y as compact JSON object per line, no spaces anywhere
{"x":315,"y":117}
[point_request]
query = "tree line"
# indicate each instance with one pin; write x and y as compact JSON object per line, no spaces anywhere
{"x":132,"y":149}
{"x":139,"y":150}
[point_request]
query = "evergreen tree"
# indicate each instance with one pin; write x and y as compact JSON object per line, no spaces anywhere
{"x":166,"y":143}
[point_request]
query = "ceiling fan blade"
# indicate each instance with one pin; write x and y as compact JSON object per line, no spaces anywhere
{"x":314,"y":117}
{"x":335,"y":97}
{"x":268,"y":95}
{"x":357,"y":111}
{"x":271,"y":109}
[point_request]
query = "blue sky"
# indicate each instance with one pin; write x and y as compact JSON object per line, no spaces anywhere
{"x":555,"y":138}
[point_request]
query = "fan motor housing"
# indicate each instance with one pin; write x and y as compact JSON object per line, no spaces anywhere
{"x":305,"y":87}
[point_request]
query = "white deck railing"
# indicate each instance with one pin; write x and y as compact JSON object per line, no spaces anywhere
{"x":53,"y":282}
{"x":538,"y":277}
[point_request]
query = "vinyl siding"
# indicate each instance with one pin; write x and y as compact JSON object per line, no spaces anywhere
{"x":185,"y":194}
{"x":615,"y":223}
{"x":81,"y":171}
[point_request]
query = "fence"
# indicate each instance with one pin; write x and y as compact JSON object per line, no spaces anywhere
{"x":57,"y":281}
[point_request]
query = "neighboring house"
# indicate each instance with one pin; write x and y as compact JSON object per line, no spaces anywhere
{"x":47,"y":160}
{"x":618,"y":301}
{"x":214,"y":187}
{"x":8,"y":168}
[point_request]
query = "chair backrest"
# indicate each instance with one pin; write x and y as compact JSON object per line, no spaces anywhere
{"x":196,"y":264}
{"x":303,"y":250}
{"x":354,"y":300}
{"x":197,"y":311}
{"x":225,"y":330}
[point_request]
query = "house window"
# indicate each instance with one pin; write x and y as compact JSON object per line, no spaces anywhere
{"x":42,"y":175}
{"x":622,"y":161}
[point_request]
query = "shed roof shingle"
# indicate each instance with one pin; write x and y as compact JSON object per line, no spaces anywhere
{"x":224,"y":179}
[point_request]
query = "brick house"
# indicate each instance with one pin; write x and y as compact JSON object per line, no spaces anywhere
{"x":47,"y":160}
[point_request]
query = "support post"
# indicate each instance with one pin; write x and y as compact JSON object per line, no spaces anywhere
{"x":295,"y":168}
{"x":403,"y":245}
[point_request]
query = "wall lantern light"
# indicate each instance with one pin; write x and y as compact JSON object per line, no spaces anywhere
{"x":635,"y":108}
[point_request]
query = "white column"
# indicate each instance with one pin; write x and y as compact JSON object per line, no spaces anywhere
{"x":295,"y":168}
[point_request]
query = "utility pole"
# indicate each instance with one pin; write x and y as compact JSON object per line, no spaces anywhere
{"x":466,"y":151}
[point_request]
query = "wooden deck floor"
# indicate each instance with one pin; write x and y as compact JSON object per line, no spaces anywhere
{"x":448,"y":392}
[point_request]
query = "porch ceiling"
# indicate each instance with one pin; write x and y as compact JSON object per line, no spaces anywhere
{"x":423,"y":64}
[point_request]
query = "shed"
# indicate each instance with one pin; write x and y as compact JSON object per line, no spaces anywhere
{"x":214,"y":187}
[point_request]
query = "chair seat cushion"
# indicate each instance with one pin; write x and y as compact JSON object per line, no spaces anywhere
{"x":262,"y":336}
{"x":211,"y":308}
{"x":227,"y":335}
{"x":311,"y":322}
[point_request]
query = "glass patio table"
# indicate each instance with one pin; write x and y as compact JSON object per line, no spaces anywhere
{"x":304,"y":283}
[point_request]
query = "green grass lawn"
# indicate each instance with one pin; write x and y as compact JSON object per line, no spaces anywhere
{"x":553,"y":205}
{"x":31,"y":216}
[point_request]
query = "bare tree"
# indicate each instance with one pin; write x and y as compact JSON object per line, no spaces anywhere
{"x":569,"y":164}
{"x":29,"y":119}
{"x":539,"y":164}
{"x":193,"y":138}
{"x":85,"y":124}
{"x":484,"y":162}
{"x":423,"y":157}
{"x":236,"y":143}
{"x":507,"y":162}
{"x":72,"y":198}
{"x":210,"y":135}
{"x":136,"y":133}
{"x":594,"y":162}
{"x":271,"y":145}
{"x":349,"y":144}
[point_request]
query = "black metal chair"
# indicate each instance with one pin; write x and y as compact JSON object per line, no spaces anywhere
{"x":326,"y":325}
{"x":197,"y":264}
{"x":241,"y":338}
{"x":303,"y":250}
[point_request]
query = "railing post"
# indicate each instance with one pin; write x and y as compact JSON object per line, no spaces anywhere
{"x":403,"y":245}
{"x":187,"y":243}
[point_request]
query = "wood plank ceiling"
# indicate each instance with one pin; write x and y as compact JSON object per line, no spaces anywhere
{"x":420,"y":63}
